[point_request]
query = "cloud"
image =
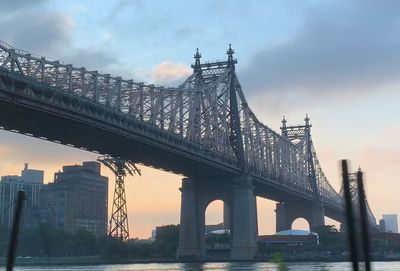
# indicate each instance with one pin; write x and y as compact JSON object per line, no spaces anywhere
{"x":5,"y":149}
{"x":106,"y":36}
{"x":91,"y":59}
{"x":78,"y":8}
{"x":12,"y":6}
{"x":346,"y":49}
{"x":169,"y":73}
{"x":51,"y":34}
{"x":123,"y":5}
{"x":47,"y":32}
{"x":381,"y":167}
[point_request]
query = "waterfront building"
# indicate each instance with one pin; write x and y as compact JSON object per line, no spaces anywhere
{"x":31,"y":182}
{"x":391,"y":224}
{"x":382,"y":226}
{"x":153,"y":235}
{"x":32,"y":175}
{"x":78,"y":199}
{"x":214,"y":227}
{"x":290,"y":238}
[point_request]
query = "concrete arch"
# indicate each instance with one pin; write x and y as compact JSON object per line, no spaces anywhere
{"x":238,"y":196}
{"x":288,"y":212}
{"x":216,"y":213}
{"x":301,"y":220}
{"x":214,"y":208}
{"x":225,"y":212}
{"x":206,"y":195}
{"x":223,"y":200}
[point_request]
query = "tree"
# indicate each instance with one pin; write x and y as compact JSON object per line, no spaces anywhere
{"x":211,"y":239}
{"x":113,"y":248}
{"x":32,"y":242}
{"x":4,"y":238}
{"x":168,"y":234}
{"x":324,"y":229}
{"x":84,"y":242}
{"x":167,"y":240}
{"x":330,"y":238}
{"x":224,"y":239}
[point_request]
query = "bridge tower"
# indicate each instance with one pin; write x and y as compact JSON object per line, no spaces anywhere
{"x":237,"y":192}
{"x":288,"y":211}
{"x":354,"y":182}
{"x":119,"y":227}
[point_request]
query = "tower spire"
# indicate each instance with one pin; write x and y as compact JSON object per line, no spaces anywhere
{"x":197,"y":66}
{"x":230,"y":53}
{"x":197,"y":57}
{"x":284,"y":128}
{"x":307,"y":121}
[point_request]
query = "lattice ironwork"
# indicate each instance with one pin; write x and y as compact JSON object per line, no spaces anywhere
{"x":300,"y":135}
{"x":355,"y":197}
{"x":119,"y":227}
{"x":208,"y":110}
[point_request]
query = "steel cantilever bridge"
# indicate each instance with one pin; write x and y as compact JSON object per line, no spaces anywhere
{"x":204,"y":129}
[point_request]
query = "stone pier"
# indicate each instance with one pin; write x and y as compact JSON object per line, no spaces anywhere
{"x":240,"y":216}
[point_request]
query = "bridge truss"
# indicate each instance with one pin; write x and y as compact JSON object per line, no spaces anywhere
{"x":354,"y":192}
{"x":208,"y":110}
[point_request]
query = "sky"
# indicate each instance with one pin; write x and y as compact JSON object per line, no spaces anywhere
{"x":338,"y":61}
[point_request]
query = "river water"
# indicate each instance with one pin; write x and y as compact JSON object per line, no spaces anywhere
{"x":341,"y":266}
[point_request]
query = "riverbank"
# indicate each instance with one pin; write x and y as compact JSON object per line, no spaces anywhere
{"x":79,"y":260}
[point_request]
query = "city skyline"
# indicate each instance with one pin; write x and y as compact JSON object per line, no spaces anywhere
{"x":77,"y":198}
{"x":353,"y":115}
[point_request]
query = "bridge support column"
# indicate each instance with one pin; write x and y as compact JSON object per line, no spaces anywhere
{"x":227,"y":217}
{"x":189,"y":239}
{"x":288,"y":212}
{"x":317,"y":216}
{"x":239,"y":216}
{"x":281,"y":220}
{"x":244,"y":221}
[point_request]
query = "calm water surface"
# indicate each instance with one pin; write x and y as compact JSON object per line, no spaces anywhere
{"x":377,"y":266}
